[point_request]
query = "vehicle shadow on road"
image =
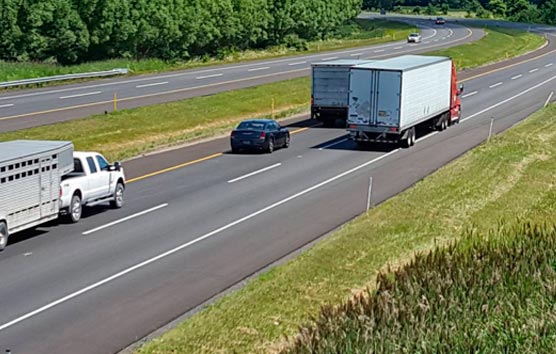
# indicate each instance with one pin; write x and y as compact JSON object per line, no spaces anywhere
{"x":344,"y":143}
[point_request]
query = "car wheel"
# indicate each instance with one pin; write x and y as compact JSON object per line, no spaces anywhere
{"x":3,"y":235}
{"x":118,"y":201}
{"x":287,"y":142}
{"x":75,"y":208}
{"x":270,"y":147}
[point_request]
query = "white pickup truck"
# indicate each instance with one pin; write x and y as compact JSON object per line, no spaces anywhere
{"x":92,"y":182}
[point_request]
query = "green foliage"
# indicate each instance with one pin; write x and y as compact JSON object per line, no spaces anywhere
{"x":492,"y":293}
{"x":70,"y":31}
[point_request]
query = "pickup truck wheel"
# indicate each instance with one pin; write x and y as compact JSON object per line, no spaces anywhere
{"x":75,"y":209}
{"x":118,"y":201}
{"x":3,"y":235}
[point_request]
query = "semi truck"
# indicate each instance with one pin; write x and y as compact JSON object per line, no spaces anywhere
{"x":389,"y":98}
{"x":41,"y":180}
{"x":329,"y":90}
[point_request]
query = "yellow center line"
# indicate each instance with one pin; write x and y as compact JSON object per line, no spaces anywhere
{"x":185,"y":164}
{"x":175,"y":167}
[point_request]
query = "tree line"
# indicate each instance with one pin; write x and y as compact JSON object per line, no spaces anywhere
{"x":70,"y":31}
{"x":531,"y":11}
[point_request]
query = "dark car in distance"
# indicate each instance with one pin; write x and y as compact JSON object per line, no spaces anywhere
{"x":259,"y":134}
{"x":440,"y":21}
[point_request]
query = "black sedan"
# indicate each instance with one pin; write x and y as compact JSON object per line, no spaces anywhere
{"x":259,"y":134}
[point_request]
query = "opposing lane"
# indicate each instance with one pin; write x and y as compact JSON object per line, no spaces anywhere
{"x":45,"y":106}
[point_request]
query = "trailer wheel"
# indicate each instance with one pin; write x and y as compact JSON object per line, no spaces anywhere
{"x":412,"y":136}
{"x":118,"y":201}
{"x":3,"y":235}
{"x":409,"y":139}
{"x":75,"y":209}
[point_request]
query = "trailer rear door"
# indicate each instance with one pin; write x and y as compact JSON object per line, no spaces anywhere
{"x":360,"y":97}
{"x":386,"y":99}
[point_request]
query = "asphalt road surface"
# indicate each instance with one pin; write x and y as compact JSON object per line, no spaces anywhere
{"x":28,"y":108}
{"x":189,"y":233}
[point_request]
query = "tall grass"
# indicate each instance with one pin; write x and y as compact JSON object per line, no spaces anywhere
{"x":489,"y":293}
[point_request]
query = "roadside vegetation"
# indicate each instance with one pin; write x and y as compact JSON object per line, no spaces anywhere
{"x":498,"y":44}
{"x":490,"y":293}
{"x":127,"y":133}
{"x":510,"y":179}
{"x":358,"y":32}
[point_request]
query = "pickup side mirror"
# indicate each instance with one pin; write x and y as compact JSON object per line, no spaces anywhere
{"x":117,"y":166}
{"x":460,"y":88}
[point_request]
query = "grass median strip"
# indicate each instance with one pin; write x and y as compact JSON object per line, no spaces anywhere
{"x":360,"y":32}
{"x":129,"y":133}
{"x":510,"y":177}
{"x":498,"y":44}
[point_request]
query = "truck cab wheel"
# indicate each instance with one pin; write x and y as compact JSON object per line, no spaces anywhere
{"x":118,"y":201}
{"x":3,"y":235}
{"x":75,"y":209}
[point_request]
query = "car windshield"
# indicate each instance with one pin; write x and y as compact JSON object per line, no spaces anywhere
{"x":250,"y":126}
{"x":414,"y":34}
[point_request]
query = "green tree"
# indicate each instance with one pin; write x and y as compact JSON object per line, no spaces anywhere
{"x":416,"y":10}
{"x":10,"y":33}
{"x":497,"y":7}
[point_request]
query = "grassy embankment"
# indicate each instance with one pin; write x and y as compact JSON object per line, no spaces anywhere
{"x":511,"y":177}
{"x":360,"y":33}
{"x":491,"y":293}
{"x":127,"y":133}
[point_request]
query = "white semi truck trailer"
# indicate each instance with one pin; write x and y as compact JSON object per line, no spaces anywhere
{"x":389,"y":98}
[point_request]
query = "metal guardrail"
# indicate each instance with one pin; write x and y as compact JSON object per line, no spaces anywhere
{"x":41,"y":80}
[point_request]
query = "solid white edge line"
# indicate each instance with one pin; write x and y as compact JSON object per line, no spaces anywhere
{"x":255,"y":172}
{"x":516,"y":77}
{"x":257,"y":69}
{"x":125,"y":219}
{"x":495,"y":85}
{"x":548,"y":99}
{"x":6,"y":105}
{"x":81,"y":95}
{"x":510,"y":99}
{"x":533,"y":70}
{"x":470,"y":94}
{"x":208,"y":76}
{"x":190,"y":243}
{"x":153,"y":84}
{"x":335,"y":143}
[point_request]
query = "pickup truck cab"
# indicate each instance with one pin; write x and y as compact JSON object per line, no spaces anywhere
{"x":93,"y":181}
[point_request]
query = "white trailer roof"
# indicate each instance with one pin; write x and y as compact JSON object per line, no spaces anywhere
{"x":343,"y":62}
{"x":17,"y":149}
{"x":403,"y":63}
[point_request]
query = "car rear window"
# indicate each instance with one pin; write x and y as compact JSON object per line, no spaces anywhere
{"x":250,"y":126}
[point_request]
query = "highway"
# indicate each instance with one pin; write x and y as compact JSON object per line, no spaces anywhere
{"x":189,"y":233}
{"x":33,"y":107}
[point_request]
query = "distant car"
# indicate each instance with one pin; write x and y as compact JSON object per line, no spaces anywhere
{"x":440,"y":21}
{"x":259,"y":134}
{"x":414,"y":38}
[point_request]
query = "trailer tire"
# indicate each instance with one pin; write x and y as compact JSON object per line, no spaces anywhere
{"x":409,"y":139}
{"x":118,"y":201}
{"x":412,"y":136}
{"x":75,"y":209}
{"x":3,"y":235}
